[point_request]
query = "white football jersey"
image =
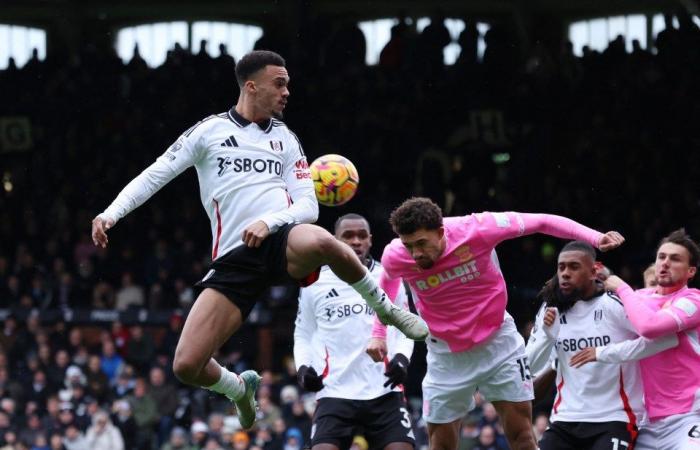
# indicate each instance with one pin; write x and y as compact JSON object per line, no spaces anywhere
{"x":333,"y":327}
{"x":598,"y":391}
{"x":247,"y":172}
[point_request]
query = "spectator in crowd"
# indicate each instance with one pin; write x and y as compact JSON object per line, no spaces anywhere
{"x":487,"y":439}
{"x":97,"y":383}
{"x":130,"y":294}
{"x":111,"y":362}
{"x":145,"y":411}
{"x":200,"y":433}
{"x":123,"y":419}
{"x":103,"y":435}
{"x":74,"y":439}
{"x":140,"y":349}
{"x":178,"y":440}
{"x":165,"y":396}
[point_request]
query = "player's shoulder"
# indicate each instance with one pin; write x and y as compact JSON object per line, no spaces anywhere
{"x":688,"y":300}
{"x":610,"y":300}
{"x":393,"y":253}
{"x":279,"y":127}
{"x":455,"y":221}
{"x":691,"y":293}
{"x":206,"y":124}
{"x":394,"y":248}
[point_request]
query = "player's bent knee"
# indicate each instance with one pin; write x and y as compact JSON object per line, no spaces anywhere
{"x":186,"y":370}
{"x":326,"y":244}
{"x":316,"y":242}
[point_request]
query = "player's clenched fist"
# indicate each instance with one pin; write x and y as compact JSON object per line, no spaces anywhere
{"x":550,"y":316}
{"x":396,"y":371}
{"x":376,"y":349}
{"x":610,"y":240}
{"x":309,"y":379}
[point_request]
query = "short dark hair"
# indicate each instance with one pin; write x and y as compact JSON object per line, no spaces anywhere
{"x":414,"y":214}
{"x":254,"y":61}
{"x":349,"y":216}
{"x":680,"y":237}
{"x":580,"y":246}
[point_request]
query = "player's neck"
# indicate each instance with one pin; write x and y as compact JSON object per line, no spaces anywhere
{"x":248,"y":111}
{"x":590,"y":292}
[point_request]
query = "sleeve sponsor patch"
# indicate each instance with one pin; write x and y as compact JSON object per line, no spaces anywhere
{"x":502,"y":220}
{"x":686,"y":305}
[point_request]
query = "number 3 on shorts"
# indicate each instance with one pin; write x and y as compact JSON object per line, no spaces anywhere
{"x":406,"y":421}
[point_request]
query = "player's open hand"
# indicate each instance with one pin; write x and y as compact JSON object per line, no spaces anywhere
{"x":376,"y":349}
{"x":584,"y":356}
{"x":100,"y":225}
{"x":610,"y":240}
{"x":613,"y":283}
{"x":255,"y":233}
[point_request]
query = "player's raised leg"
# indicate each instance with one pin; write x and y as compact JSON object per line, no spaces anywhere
{"x":310,"y":246}
{"x":517,"y":424}
{"x":211,"y":321}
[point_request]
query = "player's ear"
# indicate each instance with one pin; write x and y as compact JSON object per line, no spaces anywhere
{"x":250,"y":86}
{"x":692,"y":270}
{"x":441,"y":231}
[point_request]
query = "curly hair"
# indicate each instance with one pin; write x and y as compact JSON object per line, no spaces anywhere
{"x":414,"y":214}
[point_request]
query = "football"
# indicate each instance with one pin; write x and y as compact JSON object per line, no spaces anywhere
{"x":335,"y":179}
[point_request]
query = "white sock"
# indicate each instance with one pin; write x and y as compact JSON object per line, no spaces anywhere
{"x":372,"y":293}
{"x":229,"y":384}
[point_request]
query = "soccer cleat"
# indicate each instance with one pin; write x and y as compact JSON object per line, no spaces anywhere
{"x":408,"y":323}
{"x":246,"y":404}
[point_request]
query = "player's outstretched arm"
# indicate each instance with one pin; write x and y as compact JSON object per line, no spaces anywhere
{"x":682,"y":314}
{"x":625,"y":351}
{"x":497,"y":227}
{"x":179,"y":156}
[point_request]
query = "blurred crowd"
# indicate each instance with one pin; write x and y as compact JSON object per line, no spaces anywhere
{"x":606,"y":139}
{"x":92,"y":388}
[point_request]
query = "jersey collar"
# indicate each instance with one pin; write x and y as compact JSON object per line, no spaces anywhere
{"x":242,"y":122}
